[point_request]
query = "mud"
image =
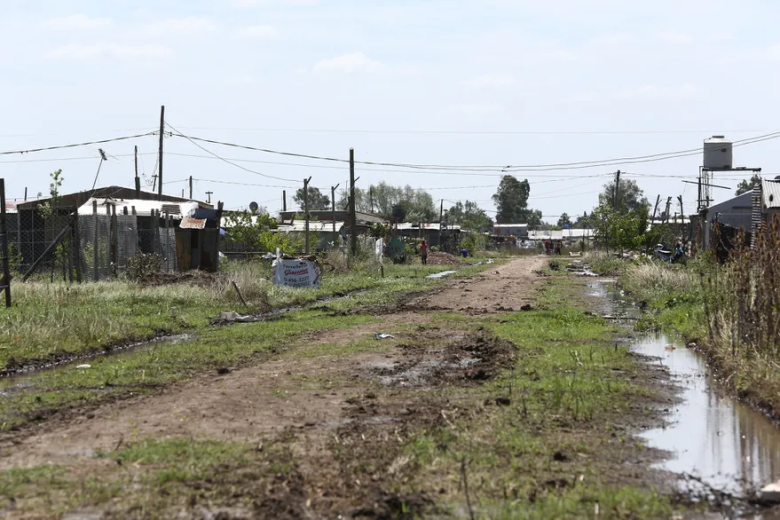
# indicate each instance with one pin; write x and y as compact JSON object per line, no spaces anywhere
{"x":341,"y":422}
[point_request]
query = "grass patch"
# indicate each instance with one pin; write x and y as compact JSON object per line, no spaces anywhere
{"x":554,"y":444}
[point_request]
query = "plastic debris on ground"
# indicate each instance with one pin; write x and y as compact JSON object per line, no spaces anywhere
{"x":83,"y":366}
{"x":380,"y":335}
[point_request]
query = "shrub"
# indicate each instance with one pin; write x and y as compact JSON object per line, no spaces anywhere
{"x":143,"y":265}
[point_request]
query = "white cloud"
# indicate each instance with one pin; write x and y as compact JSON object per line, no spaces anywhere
{"x":110,"y":51}
{"x":258,"y":32}
{"x":189,"y":25}
{"x":675,"y":37}
{"x":241,"y":4}
{"x":76,"y":22}
{"x":348,"y":64}
{"x":490,"y":81}
{"x":469,"y":110}
{"x":686,"y":90}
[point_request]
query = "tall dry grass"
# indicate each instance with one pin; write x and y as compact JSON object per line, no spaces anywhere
{"x":653,"y":281}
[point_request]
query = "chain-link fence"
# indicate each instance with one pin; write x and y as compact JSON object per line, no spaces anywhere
{"x":91,"y":247}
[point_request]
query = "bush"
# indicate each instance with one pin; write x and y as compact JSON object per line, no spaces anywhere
{"x":143,"y":265}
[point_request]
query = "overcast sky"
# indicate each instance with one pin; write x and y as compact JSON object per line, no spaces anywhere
{"x":456,"y":82}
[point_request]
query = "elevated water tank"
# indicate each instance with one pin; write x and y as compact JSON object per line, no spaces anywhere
{"x":717,"y":153}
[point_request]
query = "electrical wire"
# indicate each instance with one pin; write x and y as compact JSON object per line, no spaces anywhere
{"x":76,"y":145}
{"x":228,"y":161}
{"x":489,"y":168}
{"x":244,"y":183}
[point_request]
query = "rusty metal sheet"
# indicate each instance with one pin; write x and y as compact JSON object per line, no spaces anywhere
{"x":193,"y":223}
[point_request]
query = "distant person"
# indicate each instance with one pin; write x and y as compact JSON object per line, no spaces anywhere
{"x":464,"y":252}
{"x":558,"y":248}
{"x":424,"y":252}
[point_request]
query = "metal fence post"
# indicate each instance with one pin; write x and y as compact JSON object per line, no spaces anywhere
{"x":96,"y":243}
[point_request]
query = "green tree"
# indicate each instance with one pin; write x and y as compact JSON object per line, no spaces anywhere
{"x":511,"y":199}
{"x":746,"y":186}
{"x":469,"y":216}
{"x":317,"y":200}
{"x":628,"y":195}
{"x":402,"y":204}
{"x":564,"y":221}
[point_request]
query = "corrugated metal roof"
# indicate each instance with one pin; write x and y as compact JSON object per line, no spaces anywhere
{"x":770,"y":191}
{"x":432,"y":226}
{"x":510,"y":225}
{"x":10,"y":206}
{"x":317,"y":226}
{"x":143,"y":208}
{"x":193,"y":223}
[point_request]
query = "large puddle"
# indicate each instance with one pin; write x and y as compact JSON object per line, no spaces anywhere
{"x":723,"y":444}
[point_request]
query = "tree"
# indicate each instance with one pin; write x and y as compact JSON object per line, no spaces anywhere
{"x":746,"y":186}
{"x":582,"y":221}
{"x":564,"y":221}
{"x":511,"y":199}
{"x":629,"y":195}
{"x":469,"y":216}
{"x":316,"y":199}
{"x":402,"y":204}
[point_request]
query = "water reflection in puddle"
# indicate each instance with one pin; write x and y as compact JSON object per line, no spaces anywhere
{"x":730,"y":446}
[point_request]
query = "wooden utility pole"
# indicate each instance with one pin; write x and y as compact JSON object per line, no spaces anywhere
{"x":306,"y":212}
{"x":208,"y":194}
{"x":333,"y":206}
{"x":616,"y":192}
{"x":680,"y":200}
{"x":371,"y":198}
{"x":655,"y":210}
{"x":137,"y":179}
{"x":160,"y":159}
{"x":668,"y":208}
{"x":352,"y":211}
{"x":284,"y":200}
{"x":25,"y":193}
{"x":191,"y":187}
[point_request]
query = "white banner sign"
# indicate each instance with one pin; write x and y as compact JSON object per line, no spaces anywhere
{"x":296,"y":273}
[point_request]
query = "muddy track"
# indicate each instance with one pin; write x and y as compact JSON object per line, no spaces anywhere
{"x":331,"y":413}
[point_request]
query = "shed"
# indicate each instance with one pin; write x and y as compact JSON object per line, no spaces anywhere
{"x":735,"y":212}
{"x":197,"y":241}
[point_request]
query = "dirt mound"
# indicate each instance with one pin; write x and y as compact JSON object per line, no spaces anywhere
{"x":441,"y":258}
{"x":476,"y":357}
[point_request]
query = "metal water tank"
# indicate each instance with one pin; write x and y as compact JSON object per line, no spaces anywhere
{"x":717,"y":153}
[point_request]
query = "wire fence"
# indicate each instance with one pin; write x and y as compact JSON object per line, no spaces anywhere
{"x":91,"y":247}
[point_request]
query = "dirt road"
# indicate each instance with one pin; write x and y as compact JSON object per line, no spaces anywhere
{"x":333,"y":384}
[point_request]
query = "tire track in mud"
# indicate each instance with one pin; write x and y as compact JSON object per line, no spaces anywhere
{"x":333,"y":413}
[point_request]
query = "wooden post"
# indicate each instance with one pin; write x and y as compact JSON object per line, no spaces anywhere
{"x":114,"y":240}
{"x":160,"y":160}
{"x":166,"y":254}
{"x":284,"y":200}
{"x":333,"y":206}
{"x":95,"y":246}
{"x":190,"y":187}
{"x":4,"y":232}
{"x":306,"y":214}
{"x":77,"y":249}
{"x":220,"y":207}
{"x":352,"y":211}
{"x":137,"y":179}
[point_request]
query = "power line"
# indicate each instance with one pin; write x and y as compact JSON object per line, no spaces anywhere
{"x":244,"y":183}
{"x":76,"y":145}
{"x":472,"y":132}
{"x":503,"y":169}
{"x":226,"y":160}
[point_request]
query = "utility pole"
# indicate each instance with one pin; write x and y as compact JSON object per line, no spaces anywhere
{"x":352,"y":212}
{"x":333,"y":206}
{"x":208,"y":194}
{"x":160,"y":159}
{"x":154,"y":182}
{"x":680,"y":200}
{"x":190,"y":187}
{"x":137,"y":180}
{"x":371,"y":197}
{"x":616,"y":192}
{"x":284,"y":200}
{"x":306,"y":212}
{"x":668,"y":208}
{"x":655,"y":210}
{"x":25,"y":193}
